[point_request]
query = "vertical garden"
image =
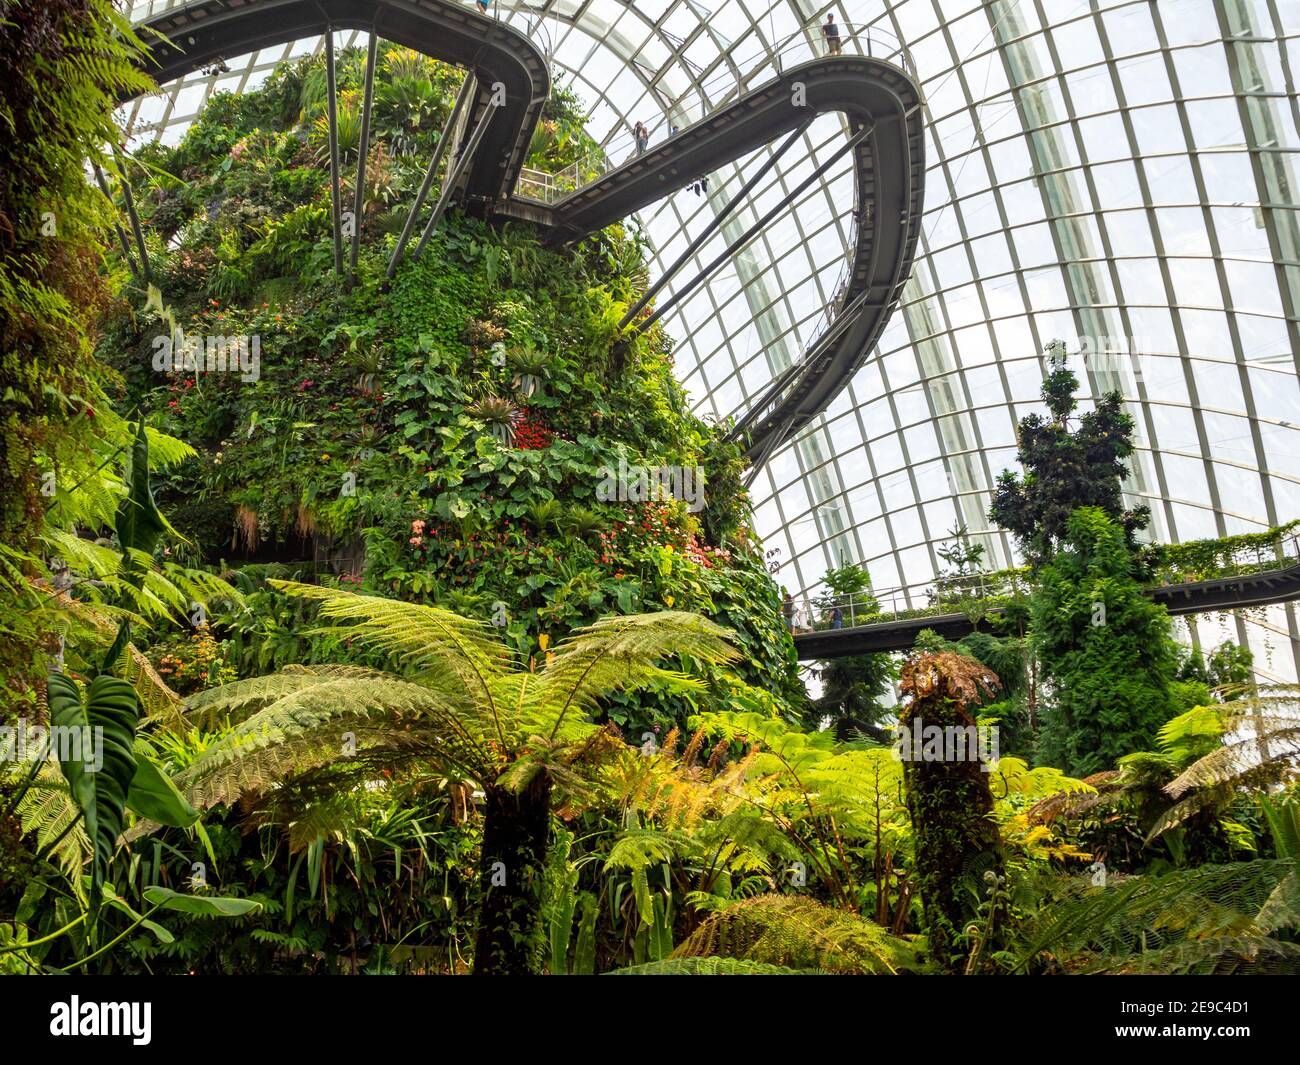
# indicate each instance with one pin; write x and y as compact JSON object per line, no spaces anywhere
{"x":415,"y":624}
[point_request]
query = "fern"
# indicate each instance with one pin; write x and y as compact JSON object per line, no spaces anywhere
{"x":48,"y":810}
{"x":710,"y":967}
{"x":1205,"y":919}
{"x":462,"y":701}
{"x":797,"y":932}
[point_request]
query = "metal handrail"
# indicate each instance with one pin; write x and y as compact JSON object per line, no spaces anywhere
{"x":816,"y":612}
{"x":622,"y":148}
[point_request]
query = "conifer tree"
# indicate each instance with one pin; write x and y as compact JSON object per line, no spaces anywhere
{"x":1066,"y":468}
{"x":1105,"y":650}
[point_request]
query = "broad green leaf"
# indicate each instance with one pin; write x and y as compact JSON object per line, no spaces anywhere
{"x":117,"y":902}
{"x":199,"y":905}
{"x":99,"y":768}
{"x":153,"y":795}
{"x":140,"y":524}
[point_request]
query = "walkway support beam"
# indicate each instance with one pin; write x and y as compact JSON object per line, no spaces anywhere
{"x":336,"y":190}
{"x":753,"y":230}
{"x":363,"y":149}
{"x":710,"y":229}
{"x":453,"y":179}
{"x":467,"y":88}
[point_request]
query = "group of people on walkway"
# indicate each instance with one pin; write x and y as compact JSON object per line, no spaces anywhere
{"x":799,"y":614}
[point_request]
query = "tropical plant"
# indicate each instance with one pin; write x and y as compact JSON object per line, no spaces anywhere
{"x":1213,"y":919}
{"x":461,"y":706}
{"x":800,"y":934}
{"x":1104,"y":648}
{"x":956,"y":840}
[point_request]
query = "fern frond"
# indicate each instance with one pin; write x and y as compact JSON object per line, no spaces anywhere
{"x":1136,"y":916}
{"x":619,"y":654}
{"x":798,"y":933}
{"x":455,"y":655}
{"x":711,"y":967}
{"x":48,"y":809}
{"x":156,"y":698}
{"x":330,"y":718}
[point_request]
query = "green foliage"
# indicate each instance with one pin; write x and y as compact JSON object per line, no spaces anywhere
{"x":63,"y":64}
{"x":800,"y":934}
{"x":1104,"y":648}
{"x":956,"y":840}
{"x":1224,"y":556}
{"x":1066,"y":469}
{"x":1216,"y":919}
{"x":99,"y":775}
{"x":468,"y":711}
{"x":707,"y":966}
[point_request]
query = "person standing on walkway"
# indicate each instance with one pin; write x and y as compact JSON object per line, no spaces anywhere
{"x":642,"y":136}
{"x":832,"y":34}
{"x":482,"y":6}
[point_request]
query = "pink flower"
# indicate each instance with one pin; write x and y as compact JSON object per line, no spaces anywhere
{"x":416,"y":540}
{"x":417,"y":526}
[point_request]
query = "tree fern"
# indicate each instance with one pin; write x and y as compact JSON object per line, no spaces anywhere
{"x":459,"y":702}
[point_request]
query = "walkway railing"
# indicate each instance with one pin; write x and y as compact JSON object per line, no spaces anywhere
{"x":943,"y":595}
{"x":719,"y":90}
{"x":1197,"y":560}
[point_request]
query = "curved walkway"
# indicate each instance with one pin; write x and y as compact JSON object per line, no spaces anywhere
{"x":878,"y":100}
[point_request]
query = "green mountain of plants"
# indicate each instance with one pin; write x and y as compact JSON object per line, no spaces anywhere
{"x":462,"y":436}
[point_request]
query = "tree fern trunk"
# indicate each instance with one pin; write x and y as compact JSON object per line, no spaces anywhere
{"x":955,"y":838}
{"x":512,"y":872}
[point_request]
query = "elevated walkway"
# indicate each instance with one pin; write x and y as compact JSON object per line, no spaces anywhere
{"x":492,"y":51}
{"x":1261,"y":588}
{"x":880,"y":102}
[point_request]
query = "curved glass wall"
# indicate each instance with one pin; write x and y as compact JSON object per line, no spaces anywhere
{"x":1120,"y":175}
